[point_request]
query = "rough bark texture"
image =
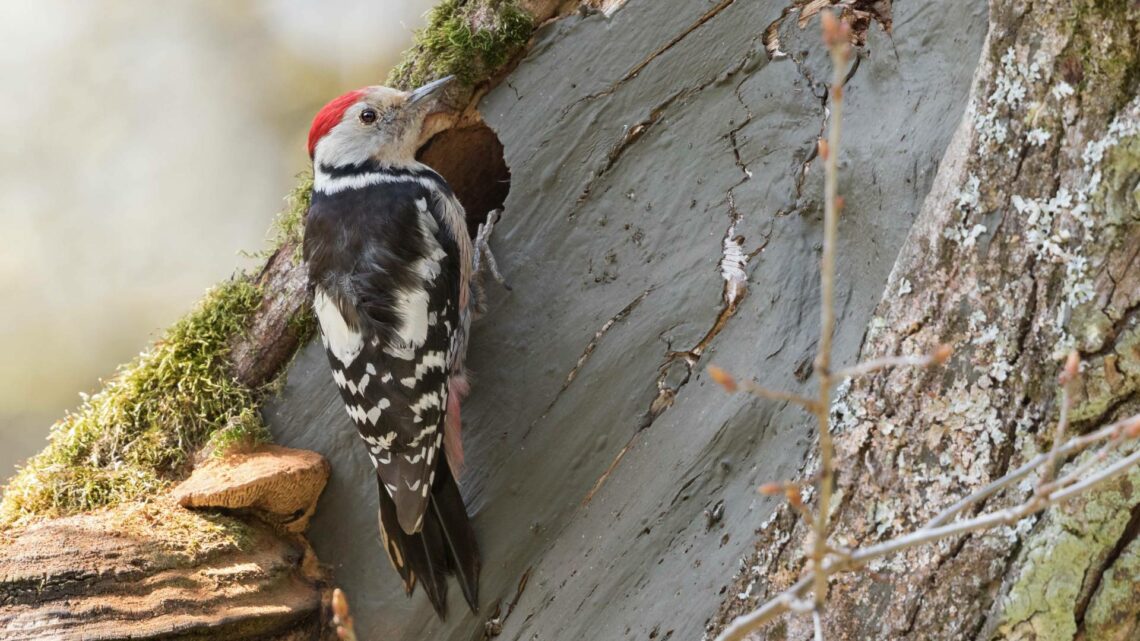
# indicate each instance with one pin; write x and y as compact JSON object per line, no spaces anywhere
{"x":1026,"y":248}
{"x":279,"y":324}
{"x":651,"y":152}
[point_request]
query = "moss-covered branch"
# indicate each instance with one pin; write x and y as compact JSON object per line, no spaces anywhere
{"x":123,"y":442}
{"x":470,"y":39}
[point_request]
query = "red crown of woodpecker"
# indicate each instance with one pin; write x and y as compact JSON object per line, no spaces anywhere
{"x":329,"y":116}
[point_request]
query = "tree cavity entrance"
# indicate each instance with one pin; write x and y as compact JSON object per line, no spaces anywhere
{"x":470,"y":159}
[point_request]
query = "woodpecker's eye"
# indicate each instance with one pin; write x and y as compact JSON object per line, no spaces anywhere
{"x":368,"y":116}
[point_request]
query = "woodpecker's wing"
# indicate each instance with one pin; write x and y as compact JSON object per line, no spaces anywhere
{"x":387,"y":272}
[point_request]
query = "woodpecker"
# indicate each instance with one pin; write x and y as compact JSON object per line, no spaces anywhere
{"x":391,"y":268}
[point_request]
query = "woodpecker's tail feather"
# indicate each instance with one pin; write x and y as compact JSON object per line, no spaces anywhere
{"x":444,"y":545}
{"x":458,"y":535}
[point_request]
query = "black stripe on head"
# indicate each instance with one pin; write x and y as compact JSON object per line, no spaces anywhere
{"x":374,"y":167}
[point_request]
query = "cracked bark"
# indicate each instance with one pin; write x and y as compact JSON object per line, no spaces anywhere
{"x":653,"y":148}
{"x":645,"y":62}
{"x":976,"y":273}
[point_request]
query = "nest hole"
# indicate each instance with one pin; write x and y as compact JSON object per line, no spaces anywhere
{"x":471,"y":160}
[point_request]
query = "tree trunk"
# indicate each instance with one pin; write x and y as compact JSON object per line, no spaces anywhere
{"x":1025,"y":249}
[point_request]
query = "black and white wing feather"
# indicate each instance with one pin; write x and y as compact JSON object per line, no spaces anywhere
{"x":386,"y":274}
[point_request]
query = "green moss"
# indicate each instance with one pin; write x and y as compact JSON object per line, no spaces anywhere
{"x":470,"y":39}
{"x":1111,"y":614}
{"x":1056,"y":559}
{"x":130,"y":439}
{"x":1114,"y":373}
{"x":184,"y":536}
{"x":303,"y":324}
{"x":244,"y":432}
{"x":1109,"y":379}
{"x":289,"y":227}
{"x":1103,"y":50}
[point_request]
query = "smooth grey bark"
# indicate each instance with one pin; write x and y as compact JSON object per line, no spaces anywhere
{"x":633,"y":141}
{"x":1026,"y":249}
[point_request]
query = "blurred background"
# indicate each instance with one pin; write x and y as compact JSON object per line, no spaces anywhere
{"x":146,"y":144}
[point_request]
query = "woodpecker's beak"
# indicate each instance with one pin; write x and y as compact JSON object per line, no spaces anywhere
{"x":429,"y":90}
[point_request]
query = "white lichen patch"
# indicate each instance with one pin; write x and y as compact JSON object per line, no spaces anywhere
{"x":1011,"y":88}
{"x":968,"y":201}
{"x":1056,"y":227}
{"x":1038,"y":137}
{"x":970,"y":429}
{"x":969,"y":195}
{"x":1000,"y":368}
{"x":965,"y":236}
{"x":1061,"y":90}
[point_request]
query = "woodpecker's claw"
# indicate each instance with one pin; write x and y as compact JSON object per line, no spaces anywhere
{"x":483,"y":255}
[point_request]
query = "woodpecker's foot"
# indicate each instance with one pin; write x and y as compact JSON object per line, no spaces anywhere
{"x":484,"y":259}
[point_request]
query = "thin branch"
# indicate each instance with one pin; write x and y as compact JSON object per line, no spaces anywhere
{"x":937,"y":357}
{"x":730,"y":384}
{"x":794,"y":497}
{"x":935,"y":530}
{"x":835,"y":36}
{"x":753,"y":388}
{"x":830,"y":154}
{"x":1114,"y":431}
{"x":1078,"y":472}
{"x":1107,"y":473}
{"x":1068,"y":379}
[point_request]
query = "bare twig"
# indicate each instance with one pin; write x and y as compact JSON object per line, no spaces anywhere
{"x":1067,"y":380}
{"x":1114,"y":432}
{"x":1079,"y":471}
{"x":1089,"y":481}
{"x":835,"y":36}
{"x":730,"y":384}
{"x":777,"y":395}
{"x":936,"y":530}
{"x":792,"y":495}
{"x":938,"y":357}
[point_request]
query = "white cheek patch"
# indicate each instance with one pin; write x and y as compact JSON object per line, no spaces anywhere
{"x":341,"y":340}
